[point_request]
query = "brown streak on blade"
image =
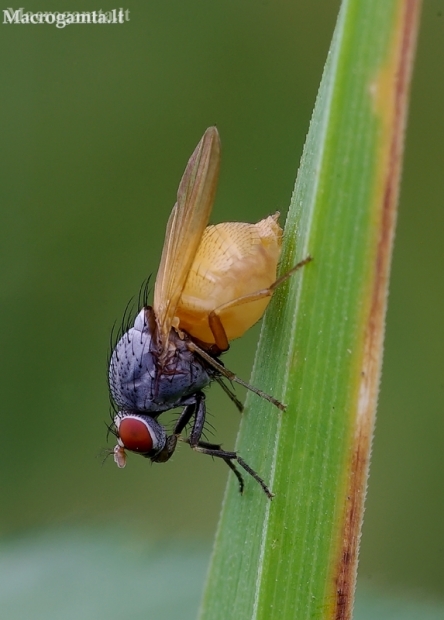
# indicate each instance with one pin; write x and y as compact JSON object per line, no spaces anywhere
{"x":345,"y":573}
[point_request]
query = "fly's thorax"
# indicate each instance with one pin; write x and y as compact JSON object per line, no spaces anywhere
{"x":234,"y":259}
{"x":140,"y":382}
{"x":133,"y":359}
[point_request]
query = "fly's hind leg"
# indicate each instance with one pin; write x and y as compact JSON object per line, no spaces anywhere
{"x":214,"y":320}
{"x":218,"y":330}
{"x":221,"y":339}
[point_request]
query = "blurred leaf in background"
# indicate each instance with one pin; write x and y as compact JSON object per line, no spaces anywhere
{"x":97,"y":125}
{"x":70,"y":574}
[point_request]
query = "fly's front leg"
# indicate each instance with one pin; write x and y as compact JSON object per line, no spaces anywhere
{"x":209,"y":448}
{"x":171,"y":442}
{"x":216,"y":451}
{"x":199,"y":420}
{"x":184,"y":418}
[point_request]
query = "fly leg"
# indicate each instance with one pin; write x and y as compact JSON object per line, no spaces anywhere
{"x":231,"y":395}
{"x":214,"y":320}
{"x":221,"y":339}
{"x":215,"y":450}
{"x":171,"y":442}
{"x":231,"y":376}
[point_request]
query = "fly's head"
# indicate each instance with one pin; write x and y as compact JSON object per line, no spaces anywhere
{"x":138,"y":433}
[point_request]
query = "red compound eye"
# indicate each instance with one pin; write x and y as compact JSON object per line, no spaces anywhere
{"x":135,"y":434}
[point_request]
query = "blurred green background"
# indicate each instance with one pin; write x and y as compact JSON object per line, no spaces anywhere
{"x":97,"y":124}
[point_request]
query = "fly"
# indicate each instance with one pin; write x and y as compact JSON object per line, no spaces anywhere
{"x":213,"y":284}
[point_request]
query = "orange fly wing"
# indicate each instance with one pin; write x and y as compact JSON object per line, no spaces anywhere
{"x":185,"y":228}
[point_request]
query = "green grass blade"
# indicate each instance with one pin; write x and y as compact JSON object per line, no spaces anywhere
{"x":321,"y":344}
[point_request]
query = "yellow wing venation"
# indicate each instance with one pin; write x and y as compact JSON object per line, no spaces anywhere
{"x":185,"y":228}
